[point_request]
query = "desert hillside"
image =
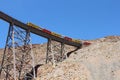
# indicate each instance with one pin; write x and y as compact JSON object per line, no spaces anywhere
{"x":98,"y":61}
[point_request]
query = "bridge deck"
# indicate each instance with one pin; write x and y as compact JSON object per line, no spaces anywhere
{"x":22,"y":25}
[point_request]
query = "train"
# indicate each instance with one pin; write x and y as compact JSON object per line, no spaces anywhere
{"x":33,"y":25}
{"x":53,"y":33}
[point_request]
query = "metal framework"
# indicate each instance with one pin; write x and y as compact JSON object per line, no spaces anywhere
{"x":55,"y":51}
{"x":37,"y":31}
{"x":18,"y":57}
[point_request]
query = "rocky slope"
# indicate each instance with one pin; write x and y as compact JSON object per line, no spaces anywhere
{"x":99,"y":61}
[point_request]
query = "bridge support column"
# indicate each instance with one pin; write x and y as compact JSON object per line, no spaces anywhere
{"x":55,"y":51}
{"x":18,"y":58}
{"x":50,"y":52}
{"x":62,"y":51}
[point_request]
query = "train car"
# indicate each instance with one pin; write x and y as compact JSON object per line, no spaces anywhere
{"x":55,"y":34}
{"x":75,"y":40}
{"x":33,"y":25}
{"x":67,"y":38}
{"x":46,"y":31}
{"x":86,"y":43}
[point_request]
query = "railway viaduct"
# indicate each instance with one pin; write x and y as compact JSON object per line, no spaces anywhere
{"x":18,"y":56}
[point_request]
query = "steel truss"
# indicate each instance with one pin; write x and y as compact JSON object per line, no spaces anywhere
{"x":55,"y":51}
{"x":18,"y":58}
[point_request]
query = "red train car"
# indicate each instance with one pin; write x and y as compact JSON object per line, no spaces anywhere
{"x":86,"y":43}
{"x":67,"y":38}
{"x":46,"y":31}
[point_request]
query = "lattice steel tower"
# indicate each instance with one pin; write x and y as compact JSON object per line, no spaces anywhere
{"x":18,"y":57}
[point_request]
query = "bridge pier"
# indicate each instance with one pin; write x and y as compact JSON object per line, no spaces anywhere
{"x":62,"y":51}
{"x":55,"y":51}
{"x":18,"y":57}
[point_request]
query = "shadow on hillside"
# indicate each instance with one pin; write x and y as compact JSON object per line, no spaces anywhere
{"x":69,"y":53}
{"x":30,"y":75}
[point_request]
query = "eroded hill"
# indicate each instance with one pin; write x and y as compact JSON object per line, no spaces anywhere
{"x":99,"y":61}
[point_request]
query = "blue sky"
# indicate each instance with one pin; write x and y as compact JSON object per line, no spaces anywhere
{"x":79,"y":19}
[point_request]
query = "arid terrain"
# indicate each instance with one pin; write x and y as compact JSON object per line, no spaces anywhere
{"x":98,"y":61}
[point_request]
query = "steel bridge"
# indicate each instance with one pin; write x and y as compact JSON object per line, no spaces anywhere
{"x":18,"y":56}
